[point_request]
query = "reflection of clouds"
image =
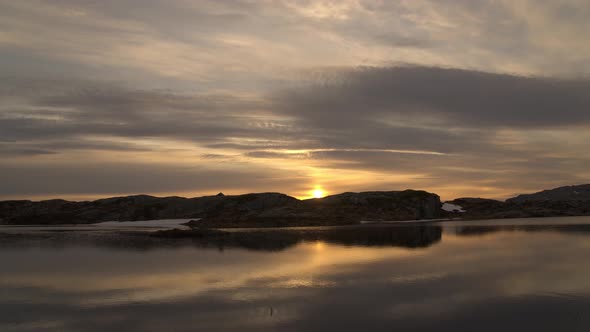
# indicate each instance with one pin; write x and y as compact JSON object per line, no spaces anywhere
{"x":33,"y":326}
{"x":302,"y":282}
{"x":306,"y":286}
{"x":137,"y":282}
{"x":418,"y":277}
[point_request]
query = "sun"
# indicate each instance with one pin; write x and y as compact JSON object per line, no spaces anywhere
{"x":318,"y":193}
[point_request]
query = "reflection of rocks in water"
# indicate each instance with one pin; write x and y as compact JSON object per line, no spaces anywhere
{"x":396,"y":236}
{"x":254,"y":240}
{"x":63,"y":239}
{"x":489,"y":229}
{"x":142,"y":241}
{"x":265,"y":240}
{"x":400,"y":236}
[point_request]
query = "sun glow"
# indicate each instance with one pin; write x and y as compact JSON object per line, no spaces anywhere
{"x":318,"y":193}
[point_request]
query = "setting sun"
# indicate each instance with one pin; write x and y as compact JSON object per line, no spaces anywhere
{"x":318,"y":193}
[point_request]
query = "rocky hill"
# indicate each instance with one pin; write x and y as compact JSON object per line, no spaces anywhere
{"x":275,"y":209}
{"x":563,"y":201}
{"x":263,"y":209}
{"x":568,"y":193}
{"x":346,"y":208}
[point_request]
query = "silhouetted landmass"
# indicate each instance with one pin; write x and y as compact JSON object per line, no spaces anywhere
{"x":342,"y":209}
{"x":279,"y":210}
{"x":250,"y":210}
{"x":559,"y":202}
{"x":567,"y":193}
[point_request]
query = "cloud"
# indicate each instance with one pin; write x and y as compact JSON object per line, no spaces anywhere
{"x":495,"y":97}
{"x":440,"y":96}
{"x":95,"y":108}
{"x":91,"y":179}
{"x":249,"y":45}
{"x":433,"y":126}
{"x":8,"y":151}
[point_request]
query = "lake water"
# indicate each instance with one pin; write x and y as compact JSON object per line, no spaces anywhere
{"x":518,"y":275}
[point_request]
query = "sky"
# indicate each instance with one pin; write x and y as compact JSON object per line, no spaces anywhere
{"x":464,"y":98}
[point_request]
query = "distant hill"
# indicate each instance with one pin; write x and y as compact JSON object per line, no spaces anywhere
{"x":563,"y":201}
{"x":276,"y":209}
{"x":249,"y":210}
{"x":568,"y":193}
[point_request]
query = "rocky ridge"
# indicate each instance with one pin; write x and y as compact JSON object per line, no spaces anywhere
{"x":558,"y":202}
{"x":249,"y":210}
{"x":275,"y":209}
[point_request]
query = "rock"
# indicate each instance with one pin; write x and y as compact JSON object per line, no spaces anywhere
{"x":563,"y":201}
{"x":346,"y":208}
{"x":276,"y":209}
{"x":568,"y":193}
{"x":260,"y":209}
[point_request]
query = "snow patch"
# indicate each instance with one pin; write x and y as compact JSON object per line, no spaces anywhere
{"x":452,"y":207}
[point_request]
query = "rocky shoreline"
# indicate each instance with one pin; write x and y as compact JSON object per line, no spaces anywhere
{"x":279,"y":210}
{"x":250,"y":210}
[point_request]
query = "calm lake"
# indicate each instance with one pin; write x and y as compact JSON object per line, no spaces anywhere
{"x":515,"y":275}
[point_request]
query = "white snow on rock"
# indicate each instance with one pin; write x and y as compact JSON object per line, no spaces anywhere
{"x":452,"y":207}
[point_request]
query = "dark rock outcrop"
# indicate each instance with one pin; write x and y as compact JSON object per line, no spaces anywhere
{"x":263,"y":209}
{"x":276,"y":210}
{"x":481,"y":208}
{"x":559,"y":202}
{"x":140,"y":207}
{"x":342,"y":209}
{"x":567,"y":193}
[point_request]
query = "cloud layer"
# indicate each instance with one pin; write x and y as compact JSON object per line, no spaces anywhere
{"x":197,"y":98}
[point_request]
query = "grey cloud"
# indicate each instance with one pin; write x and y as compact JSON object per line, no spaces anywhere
{"x":485,"y":34}
{"x":107,"y":109}
{"x":107,"y":178}
{"x":337,"y":122}
{"x":47,"y":147}
{"x":280,"y":155}
{"x":58,"y":54}
{"x":22,"y":152}
{"x":454,"y":97}
{"x":255,"y":145}
{"x":217,"y":156}
{"x":213,"y":121}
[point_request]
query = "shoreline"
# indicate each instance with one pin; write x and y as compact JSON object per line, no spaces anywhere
{"x":156,"y":225}
{"x":407,"y":235}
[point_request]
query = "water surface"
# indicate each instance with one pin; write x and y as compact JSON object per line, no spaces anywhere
{"x":531,"y":274}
